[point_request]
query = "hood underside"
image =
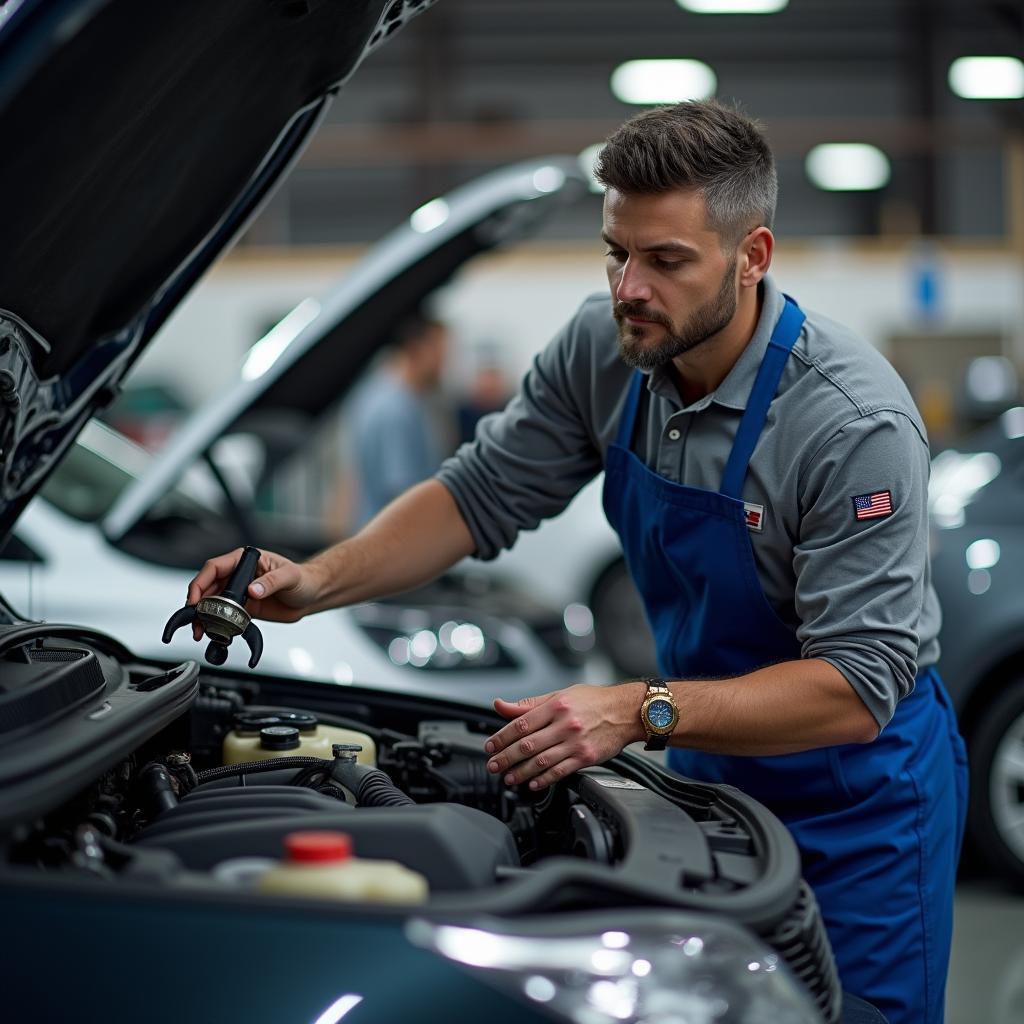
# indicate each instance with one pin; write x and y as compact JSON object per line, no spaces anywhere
{"x":141,"y":138}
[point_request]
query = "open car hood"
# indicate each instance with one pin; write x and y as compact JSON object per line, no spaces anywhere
{"x":307,"y":362}
{"x":141,"y":139}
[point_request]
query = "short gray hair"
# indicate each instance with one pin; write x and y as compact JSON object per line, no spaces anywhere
{"x":706,"y":146}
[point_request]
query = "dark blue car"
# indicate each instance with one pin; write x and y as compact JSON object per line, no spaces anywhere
{"x":977,"y":553}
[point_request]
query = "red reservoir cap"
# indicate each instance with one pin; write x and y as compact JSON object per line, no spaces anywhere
{"x":308,"y":847}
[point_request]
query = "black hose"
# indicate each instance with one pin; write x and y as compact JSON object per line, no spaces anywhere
{"x":371,"y":786}
{"x":335,"y":791}
{"x":377,"y":790}
{"x":157,"y":788}
{"x":270,"y":764}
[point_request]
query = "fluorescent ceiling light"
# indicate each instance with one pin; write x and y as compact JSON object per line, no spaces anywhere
{"x":987,"y":78}
{"x":847,"y":167}
{"x":733,"y":6}
{"x":663,"y":81}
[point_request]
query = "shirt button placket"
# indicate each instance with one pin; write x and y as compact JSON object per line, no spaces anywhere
{"x":670,"y":455}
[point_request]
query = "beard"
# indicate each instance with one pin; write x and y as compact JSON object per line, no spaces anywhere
{"x":703,"y":323}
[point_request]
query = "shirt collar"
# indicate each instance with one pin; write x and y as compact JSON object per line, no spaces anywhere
{"x":734,"y":391}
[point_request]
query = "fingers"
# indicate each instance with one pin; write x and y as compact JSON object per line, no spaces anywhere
{"x":210,"y":580}
{"x":547,"y":751}
{"x":542,"y":760}
{"x":530,"y":714}
{"x":555,"y":763}
{"x":277,"y":574}
{"x":551,"y":737}
{"x":213,"y":573}
{"x":281,"y":578}
{"x":559,"y":771}
{"x":523,"y":749}
{"x":515,"y":708}
{"x":536,"y":742}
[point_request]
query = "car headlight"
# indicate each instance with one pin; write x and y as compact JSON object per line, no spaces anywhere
{"x":659,"y":969}
{"x":417,"y":638}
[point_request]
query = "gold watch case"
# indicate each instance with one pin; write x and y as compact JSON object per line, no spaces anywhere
{"x":653,"y":695}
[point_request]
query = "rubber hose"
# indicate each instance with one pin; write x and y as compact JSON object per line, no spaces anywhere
{"x":377,"y":790}
{"x":371,"y":786}
{"x":156,"y":784}
{"x":334,"y":791}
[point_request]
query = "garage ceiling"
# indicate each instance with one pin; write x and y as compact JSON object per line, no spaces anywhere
{"x":472,"y":84}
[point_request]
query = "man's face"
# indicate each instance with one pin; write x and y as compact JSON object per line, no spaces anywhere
{"x":672,"y":285}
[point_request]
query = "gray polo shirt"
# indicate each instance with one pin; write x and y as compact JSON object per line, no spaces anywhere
{"x":842,"y":426}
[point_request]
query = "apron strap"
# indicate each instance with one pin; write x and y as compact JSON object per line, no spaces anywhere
{"x":783,"y":338}
{"x":627,"y":420}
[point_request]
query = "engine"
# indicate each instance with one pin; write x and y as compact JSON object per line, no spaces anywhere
{"x":167,"y":777}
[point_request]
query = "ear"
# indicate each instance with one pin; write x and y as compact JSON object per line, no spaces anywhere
{"x":755,"y":256}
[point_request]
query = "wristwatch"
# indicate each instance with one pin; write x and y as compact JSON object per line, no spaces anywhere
{"x":658,"y":714}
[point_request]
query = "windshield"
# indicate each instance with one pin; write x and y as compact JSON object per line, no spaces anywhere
{"x":102,"y":463}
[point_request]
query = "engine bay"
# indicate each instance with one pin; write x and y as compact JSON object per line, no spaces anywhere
{"x":121,"y":771}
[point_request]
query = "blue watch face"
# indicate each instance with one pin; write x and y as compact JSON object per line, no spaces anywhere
{"x":659,"y":713}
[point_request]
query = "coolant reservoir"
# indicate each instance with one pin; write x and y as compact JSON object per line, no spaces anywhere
{"x":321,"y":865}
{"x":259,"y":736}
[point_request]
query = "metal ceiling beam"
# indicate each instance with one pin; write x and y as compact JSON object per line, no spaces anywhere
{"x":440,"y":142}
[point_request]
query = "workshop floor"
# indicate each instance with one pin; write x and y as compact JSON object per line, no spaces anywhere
{"x":986,"y":975}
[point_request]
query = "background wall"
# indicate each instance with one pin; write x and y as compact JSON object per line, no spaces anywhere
{"x":511,"y":303}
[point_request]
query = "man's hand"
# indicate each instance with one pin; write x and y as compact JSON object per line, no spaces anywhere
{"x":282,"y":591}
{"x":558,"y":733}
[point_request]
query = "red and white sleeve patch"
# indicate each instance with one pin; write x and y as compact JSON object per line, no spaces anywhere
{"x":876,"y":505}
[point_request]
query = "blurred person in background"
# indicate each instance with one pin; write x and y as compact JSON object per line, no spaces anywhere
{"x":487,"y":392}
{"x":393,"y":437}
{"x":766,"y":471}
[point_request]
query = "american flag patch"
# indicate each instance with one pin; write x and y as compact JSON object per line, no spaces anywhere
{"x":754,"y":515}
{"x":876,"y":505}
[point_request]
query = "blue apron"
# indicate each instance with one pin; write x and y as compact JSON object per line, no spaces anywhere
{"x":879,"y":825}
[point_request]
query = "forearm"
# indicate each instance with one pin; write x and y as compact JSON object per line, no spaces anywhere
{"x":781,"y":709}
{"x":412,"y":541}
{"x":792,"y":706}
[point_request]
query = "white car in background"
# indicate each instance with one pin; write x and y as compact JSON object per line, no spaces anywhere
{"x":116,"y":532}
{"x":59,"y":566}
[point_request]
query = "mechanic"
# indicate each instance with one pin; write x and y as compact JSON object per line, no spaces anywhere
{"x":767,"y":472}
{"x":394,"y":443}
